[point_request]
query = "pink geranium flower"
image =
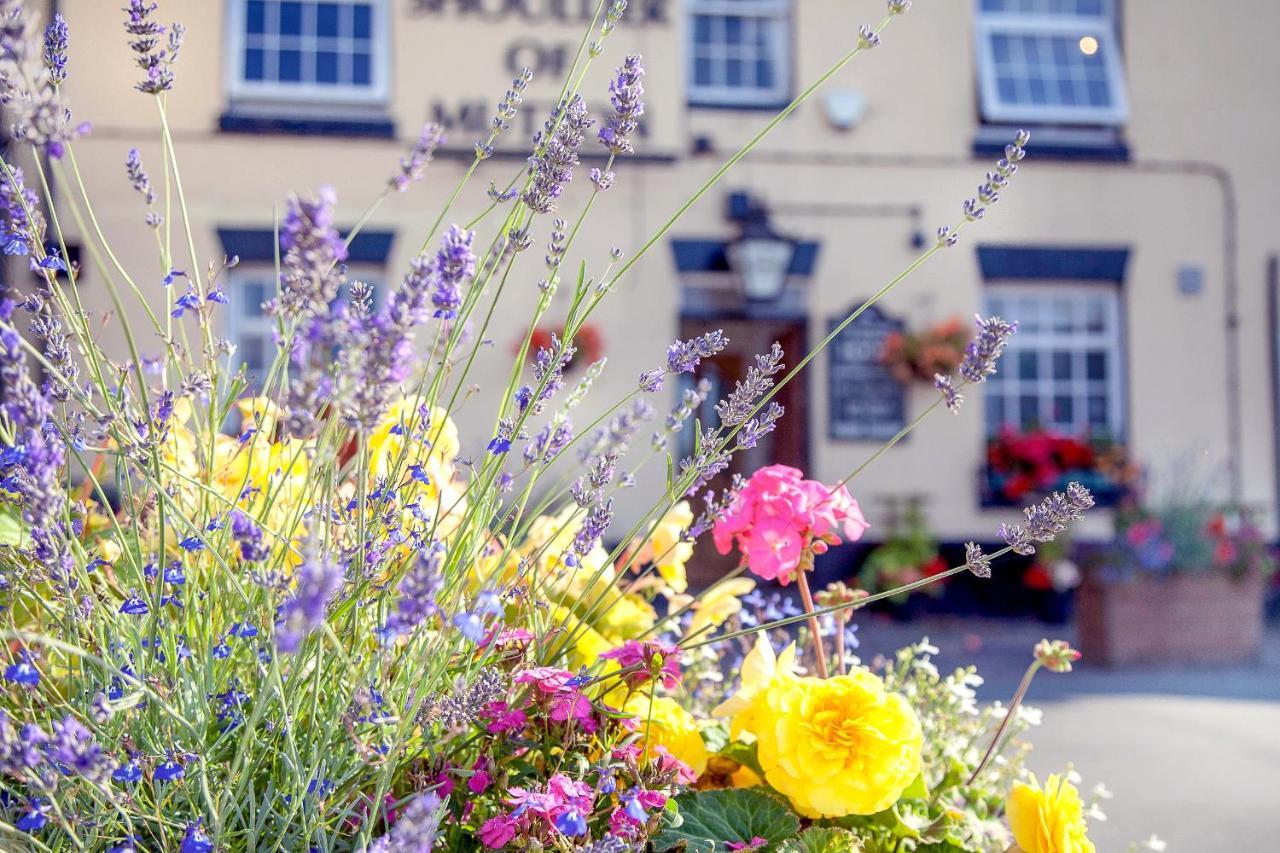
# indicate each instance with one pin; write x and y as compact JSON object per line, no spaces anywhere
{"x":779,"y":513}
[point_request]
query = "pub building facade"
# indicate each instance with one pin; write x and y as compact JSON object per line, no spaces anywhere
{"x":1136,"y":246}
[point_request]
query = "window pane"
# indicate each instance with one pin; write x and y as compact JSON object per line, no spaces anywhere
{"x":361,"y":69}
{"x":1098,"y":411}
{"x":254,"y":68}
{"x":1028,"y":411}
{"x":1063,"y":411}
{"x":290,"y":66}
{"x":291,"y":19}
{"x":326,"y":67}
{"x":363,"y":22}
{"x":702,"y":71}
{"x":733,"y":72}
{"x":995,"y":412}
{"x":327,"y":19}
{"x":1095,"y":365}
{"x":255,"y":17}
{"x":733,"y":31}
{"x":1061,"y":365}
{"x":1028,"y":365}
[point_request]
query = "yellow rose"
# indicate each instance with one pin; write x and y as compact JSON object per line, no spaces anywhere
{"x":1048,"y":819}
{"x":664,"y":723}
{"x":834,"y":747}
{"x":718,"y":604}
{"x":667,"y":548}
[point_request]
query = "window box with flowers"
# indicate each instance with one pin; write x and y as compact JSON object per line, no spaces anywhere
{"x":1021,"y":465}
{"x":1180,"y":584}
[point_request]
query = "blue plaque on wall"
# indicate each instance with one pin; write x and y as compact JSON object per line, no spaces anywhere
{"x":864,"y":401}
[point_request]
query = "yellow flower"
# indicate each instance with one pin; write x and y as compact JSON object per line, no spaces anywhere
{"x":759,"y":669}
{"x":1049,"y":819}
{"x":834,"y":747}
{"x":667,"y":548}
{"x":718,"y":604}
{"x":664,"y":723}
{"x":403,"y":420}
{"x":622,"y":617}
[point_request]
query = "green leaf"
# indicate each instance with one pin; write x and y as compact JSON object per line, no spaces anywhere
{"x":917,"y":790}
{"x":712,"y":818}
{"x":744,"y":754}
{"x":12,"y":530}
{"x":822,"y":839}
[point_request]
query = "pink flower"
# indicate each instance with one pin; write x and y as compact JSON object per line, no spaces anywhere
{"x":504,"y":718}
{"x":649,"y":659}
{"x":549,"y":679}
{"x":570,"y":704}
{"x":779,"y":513}
{"x":756,"y":843}
{"x":497,"y":832}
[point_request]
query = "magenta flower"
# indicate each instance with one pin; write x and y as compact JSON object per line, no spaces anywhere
{"x":651,"y":659}
{"x":779,"y":514}
{"x":497,"y":832}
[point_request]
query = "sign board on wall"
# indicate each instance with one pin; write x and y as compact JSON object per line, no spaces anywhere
{"x":544,"y":35}
{"x":864,"y":401}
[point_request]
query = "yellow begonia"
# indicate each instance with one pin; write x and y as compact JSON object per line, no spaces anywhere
{"x":718,"y":604}
{"x":664,"y":723}
{"x":667,"y":549}
{"x":398,"y":440}
{"x":834,"y":747}
{"x":622,"y":617}
{"x":759,"y":669}
{"x":1049,"y":819}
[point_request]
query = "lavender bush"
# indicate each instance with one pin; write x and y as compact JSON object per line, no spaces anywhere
{"x":297,"y":611}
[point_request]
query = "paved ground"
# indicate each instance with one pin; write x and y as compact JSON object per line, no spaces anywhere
{"x":1190,"y":754}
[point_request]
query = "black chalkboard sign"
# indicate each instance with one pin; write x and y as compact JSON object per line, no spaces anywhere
{"x":864,"y":401}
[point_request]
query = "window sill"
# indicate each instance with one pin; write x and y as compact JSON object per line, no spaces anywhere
{"x":748,"y":106}
{"x":381,"y":127}
{"x":1105,"y":144}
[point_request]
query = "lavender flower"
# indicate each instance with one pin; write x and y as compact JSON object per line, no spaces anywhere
{"x":867,"y":38}
{"x":757,"y":428}
{"x":976,"y":561}
{"x":416,"y":593}
{"x":625,"y":92}
{"x":73,"y":748}
{"x":982,"y":353}
{"x":467,"y":701}
{"x":1045,"y":520}
{"x":988,"y":192}
{"x":154,"y":54}
{"x":312,"y":250}
{"x":412,"y":166}
{"x":21,"y":222}
{"x":507,"y":109}
{"x":415,"y":828}
{"x":737,"y":407}
{"x":548,"y":371}
{"x":246,"y":533}
{"x":551,"y":168}
{"x":684,"y":356}
{"x":690,"y":400}
{"x":55,"y":49}
{"x":141,"y":184}
{"x":951,"y":398}
{"x":319,"y":580}
{"x":455,"y":265}
{"x":598,"y":519}
{"x":899,"y":7}
{"x":549,"y":442}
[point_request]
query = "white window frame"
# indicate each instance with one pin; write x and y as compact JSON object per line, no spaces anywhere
{"x":239,"y":323}
{"x":1102,"y":27}
{"x":1044,"y":341}
{"x":376,"y":93}
{"x":776,"y":11}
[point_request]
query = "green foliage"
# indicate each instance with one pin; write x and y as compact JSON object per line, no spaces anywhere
{"x":822,"y":839}
{"x":909,"y":547}
{"x":709,"y":819}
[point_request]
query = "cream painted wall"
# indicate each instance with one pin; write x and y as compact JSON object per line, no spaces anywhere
{"x":1200,"y":102}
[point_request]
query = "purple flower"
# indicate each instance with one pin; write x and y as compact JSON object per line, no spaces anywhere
{"x":312,"y":250}
{"x":455,"y":265}
{"x":319,"y":580}
{"x":684,"y":356}
{"x":412,"y":166}
{"x":168,"y":771}
{"x":556,"y":146}
{"x":415,"y":602}
{"x":195,"y":840}
{"x":192,"y":543}
{"x":74,"y":748}
{"x":625,"y":91}
{"x":154,"y":54}
{"x":55,"y":49}
{"x":24,"y":671}
{"x":570,"y":822}
{"x":33,"y":817}
{"x":128,"y":773}
{"x":134,"y":605}
{"x":985,"y":349}
{"x":249,"y":536}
